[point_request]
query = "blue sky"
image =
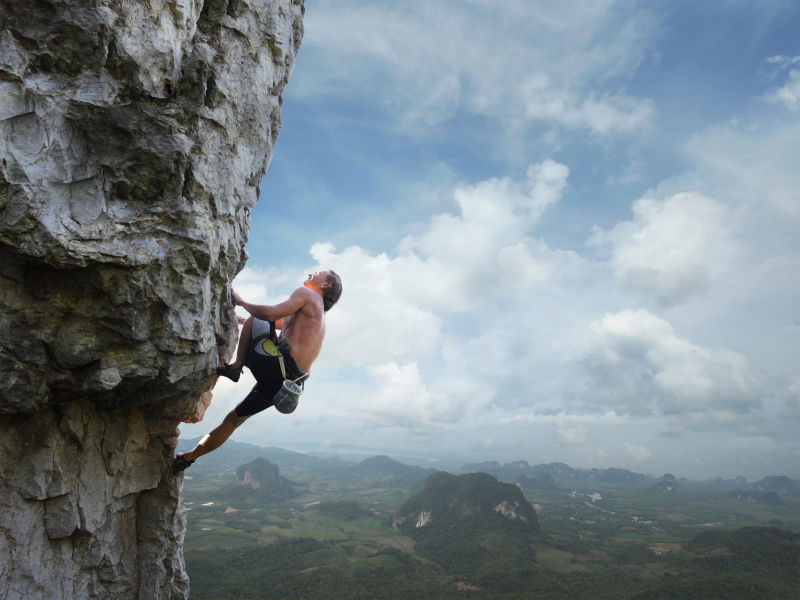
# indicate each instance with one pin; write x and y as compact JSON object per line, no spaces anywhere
{"x":566,"y":230}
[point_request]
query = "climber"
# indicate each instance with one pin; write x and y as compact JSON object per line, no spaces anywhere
{"x":271,"y":359}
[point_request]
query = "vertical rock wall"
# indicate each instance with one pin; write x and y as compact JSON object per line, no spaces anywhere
{"x":133,"y":136}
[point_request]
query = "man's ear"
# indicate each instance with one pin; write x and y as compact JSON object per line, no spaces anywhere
{"x":326,"y":284}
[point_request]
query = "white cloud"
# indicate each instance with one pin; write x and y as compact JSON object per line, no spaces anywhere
{"x":572,"y":436}
{"x":751,"y":166}
{"x":526,"y":62}
{"x":783,"y":61}
{"x":373,"y":322}
{"x":671,"y":249}
{"x":266,"y":286}
{"x":401,"y":399}
{"x":641,"y":366}
{"x":793,"y":399}
{"x":602,"y":115}
{"x":789,"y":93}
{"x":473,"y":332}
{"x":638,"y":454}
{"x":391,"y":306}
{"x":747,"y":167}
{"x":388,"y":322}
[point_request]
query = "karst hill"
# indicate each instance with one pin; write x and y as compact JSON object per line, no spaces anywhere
{"x":472,"y":525}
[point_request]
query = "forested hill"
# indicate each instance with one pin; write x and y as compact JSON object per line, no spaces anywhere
{"x":461,"y":522}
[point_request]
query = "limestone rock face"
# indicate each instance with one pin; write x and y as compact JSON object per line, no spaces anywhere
{"x":133,"y":136}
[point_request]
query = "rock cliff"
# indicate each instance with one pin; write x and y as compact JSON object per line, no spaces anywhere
{"x":133,"y":136}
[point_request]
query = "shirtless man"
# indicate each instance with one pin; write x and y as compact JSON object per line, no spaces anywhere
{"x":301,"y":319}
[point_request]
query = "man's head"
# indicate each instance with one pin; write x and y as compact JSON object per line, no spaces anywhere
{"x":328,"y":283}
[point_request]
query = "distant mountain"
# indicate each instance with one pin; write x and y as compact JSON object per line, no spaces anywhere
{"x":262,"y":476}
{"x":462,"y":522}
{"x":667,"y":484}
{"x":778,"y":484}
{"x":481,"y":467}
{"x":518,"y":471}
{"x":619,"y":476}
{"x":257,"y":483}
{"x":537,"y":481}
{"x":446,"y":499}
{"x":521,"y":472}
{"x":561,"y":471}
{"x":233,"y":453}
{"x":737,"y":482}
{"x":389,"y":471}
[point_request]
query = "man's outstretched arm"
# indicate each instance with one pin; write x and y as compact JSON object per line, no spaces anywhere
{"x":274,"y":313}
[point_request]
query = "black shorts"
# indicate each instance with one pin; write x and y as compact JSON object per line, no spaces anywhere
{"x":269,"y":379}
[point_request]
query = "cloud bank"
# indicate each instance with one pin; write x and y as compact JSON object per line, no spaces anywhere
{"x":566,"y":300}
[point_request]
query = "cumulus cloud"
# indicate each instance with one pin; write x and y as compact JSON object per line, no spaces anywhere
{"x":392,"y":305}
{"x":267,"y":286}
{"x":388,"y":323}
{"x":671,"y":249}
{"x":641,"y":366}
{"x":475,"y":333}
{"x":374,"y":322}
{"x":748,"y":167}
{"x":401,"y":399}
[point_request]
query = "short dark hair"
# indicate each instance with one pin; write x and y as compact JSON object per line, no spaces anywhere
{"x":330,"y":295}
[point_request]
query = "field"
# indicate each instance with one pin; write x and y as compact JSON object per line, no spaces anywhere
{"x":334,"y":538}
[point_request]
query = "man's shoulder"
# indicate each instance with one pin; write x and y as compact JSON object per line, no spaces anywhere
{"x":303,"y":291}
{"x":307,"y":294}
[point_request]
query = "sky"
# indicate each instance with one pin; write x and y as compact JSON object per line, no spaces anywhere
{"x":567,"y":231}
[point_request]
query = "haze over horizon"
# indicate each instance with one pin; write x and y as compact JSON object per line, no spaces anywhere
{"x":567,"y":232}
{"x":453,"y":463}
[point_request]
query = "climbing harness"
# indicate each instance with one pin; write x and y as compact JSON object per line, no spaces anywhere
{"x":286,"y":398}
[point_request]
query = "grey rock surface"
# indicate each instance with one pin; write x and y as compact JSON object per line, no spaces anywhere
{"x":133,"y":136}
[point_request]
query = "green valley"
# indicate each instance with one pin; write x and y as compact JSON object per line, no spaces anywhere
{"x":326,"y":528}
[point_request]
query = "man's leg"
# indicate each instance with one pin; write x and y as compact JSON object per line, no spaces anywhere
{"x":234,"y":370}
{"x":245,"y":337}
{"x":215,"y":438}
